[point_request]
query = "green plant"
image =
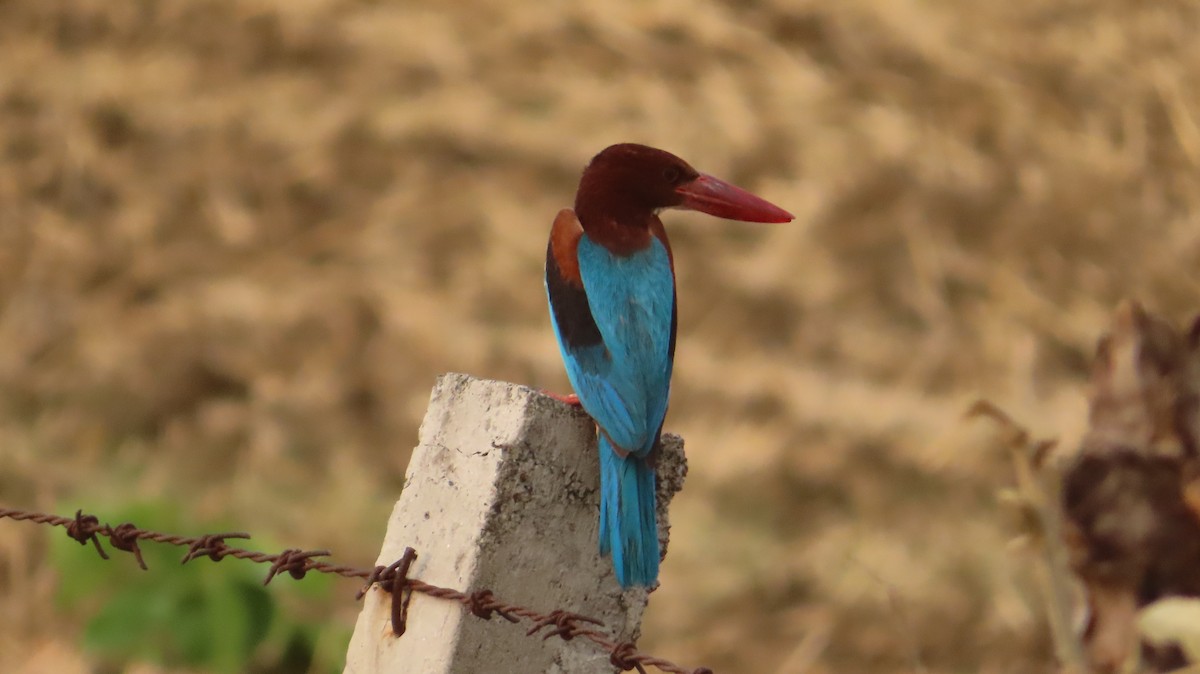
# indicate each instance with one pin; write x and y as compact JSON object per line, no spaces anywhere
{"x":213,"y":617}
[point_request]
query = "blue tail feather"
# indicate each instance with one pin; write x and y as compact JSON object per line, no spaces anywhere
{"x":628,"y":528}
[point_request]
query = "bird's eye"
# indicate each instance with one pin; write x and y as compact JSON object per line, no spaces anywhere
{"x":671,"y":174}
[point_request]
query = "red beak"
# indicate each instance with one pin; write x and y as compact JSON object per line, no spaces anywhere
{"x":717,"y":197}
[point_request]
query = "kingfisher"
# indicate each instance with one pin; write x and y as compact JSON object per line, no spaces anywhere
{"x":610,"y":281}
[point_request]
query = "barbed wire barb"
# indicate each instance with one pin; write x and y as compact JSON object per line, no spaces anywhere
{"x":392,"y":579}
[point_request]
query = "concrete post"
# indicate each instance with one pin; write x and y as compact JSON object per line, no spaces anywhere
{"x":502,"y":493}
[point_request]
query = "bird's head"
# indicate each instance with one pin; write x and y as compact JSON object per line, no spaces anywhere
{"x":631,"y":178}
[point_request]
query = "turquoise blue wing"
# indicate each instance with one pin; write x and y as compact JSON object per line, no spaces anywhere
{"x":632,"y":303}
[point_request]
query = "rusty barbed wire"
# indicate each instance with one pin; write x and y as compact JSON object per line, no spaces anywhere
{"x":392,"y":579}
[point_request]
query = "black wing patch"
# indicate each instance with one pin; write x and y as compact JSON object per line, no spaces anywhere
{"x":572,"y":313}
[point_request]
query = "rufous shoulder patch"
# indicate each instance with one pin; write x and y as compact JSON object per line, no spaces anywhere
{"x":564,"y":245}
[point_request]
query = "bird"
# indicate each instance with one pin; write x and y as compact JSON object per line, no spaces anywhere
{"x":610,"y":284}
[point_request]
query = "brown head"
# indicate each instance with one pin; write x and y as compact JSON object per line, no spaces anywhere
{"x":627,"y":184}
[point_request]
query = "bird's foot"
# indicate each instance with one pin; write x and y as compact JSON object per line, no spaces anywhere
{"x":570,"y":399}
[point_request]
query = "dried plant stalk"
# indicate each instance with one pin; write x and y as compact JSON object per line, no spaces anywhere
{"x":1037,"y":496}
{"x":1129,"y":494}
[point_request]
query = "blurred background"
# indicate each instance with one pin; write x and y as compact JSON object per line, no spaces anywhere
{"x":239,"y":239}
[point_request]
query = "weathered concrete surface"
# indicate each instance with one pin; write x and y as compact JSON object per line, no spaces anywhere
{"x":502,"y":493}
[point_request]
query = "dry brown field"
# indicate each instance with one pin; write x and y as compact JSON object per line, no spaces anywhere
{"x":239,"y":239}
